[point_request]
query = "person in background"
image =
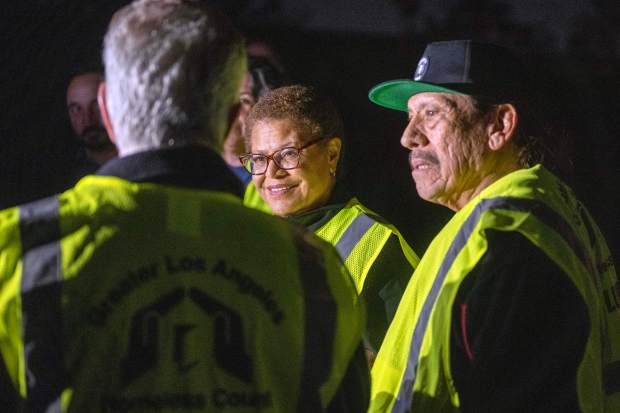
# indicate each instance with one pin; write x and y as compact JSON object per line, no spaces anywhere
{"x":149,"y":286}
{"x":295,"y":139}
{"x":86,"y":123}
{"x":262,"y":76}
{"x":514,"y":306}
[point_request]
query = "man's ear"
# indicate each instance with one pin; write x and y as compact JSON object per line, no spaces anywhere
{"x":502,"y":126}
{"x":102,"y":100}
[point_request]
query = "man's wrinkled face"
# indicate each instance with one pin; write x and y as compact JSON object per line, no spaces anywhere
{"x":447,"y":140}
{"x":84,"y":111}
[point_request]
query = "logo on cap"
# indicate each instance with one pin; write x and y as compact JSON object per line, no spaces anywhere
{"x":420,"y":71}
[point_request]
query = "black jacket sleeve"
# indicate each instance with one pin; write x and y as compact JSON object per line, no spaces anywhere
{"x":353,"y":395}
{"x":9,"y":398}
{"x":519,"y":331}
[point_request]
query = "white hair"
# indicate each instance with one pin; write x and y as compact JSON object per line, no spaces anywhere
{"x":172,"y":71}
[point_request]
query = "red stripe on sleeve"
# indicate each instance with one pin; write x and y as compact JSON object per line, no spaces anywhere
{"x":464,"y":336}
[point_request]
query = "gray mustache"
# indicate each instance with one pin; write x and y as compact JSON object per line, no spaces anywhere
{"x":425,"y":156}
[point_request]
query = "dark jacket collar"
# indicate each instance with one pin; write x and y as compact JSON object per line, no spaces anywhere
{"x":315,"y":218}
{"x":190,"y":167}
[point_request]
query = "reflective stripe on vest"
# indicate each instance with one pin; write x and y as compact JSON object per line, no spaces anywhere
{"x":359,"y":235}
{"x":543,"y":212}
{"x":39,"y":224}
{"x":353,"y":234}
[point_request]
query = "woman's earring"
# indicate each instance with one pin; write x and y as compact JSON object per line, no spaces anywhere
{"x":332,"y":171}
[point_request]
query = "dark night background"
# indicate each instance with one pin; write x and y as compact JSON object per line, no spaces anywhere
{"x":344,"y":47}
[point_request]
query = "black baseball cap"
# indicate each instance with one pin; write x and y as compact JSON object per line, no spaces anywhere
{"x":458,"y":66}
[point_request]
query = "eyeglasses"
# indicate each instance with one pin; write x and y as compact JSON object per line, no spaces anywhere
{"x":285,"y":158}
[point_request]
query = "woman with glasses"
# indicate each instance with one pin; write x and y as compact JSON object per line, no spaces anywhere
{"x":295,"y":141}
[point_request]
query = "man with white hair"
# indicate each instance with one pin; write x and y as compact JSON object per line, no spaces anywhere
{"x":149,"y":287}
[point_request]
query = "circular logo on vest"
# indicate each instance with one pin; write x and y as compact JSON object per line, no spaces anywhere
{"x":420,"y":71}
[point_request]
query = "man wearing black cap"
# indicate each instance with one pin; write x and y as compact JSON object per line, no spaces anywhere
{"x":514,"y":306}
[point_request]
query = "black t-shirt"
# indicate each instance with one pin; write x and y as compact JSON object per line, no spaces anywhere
{"x":519,"y":331}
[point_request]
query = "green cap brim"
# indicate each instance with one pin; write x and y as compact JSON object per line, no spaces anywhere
{"x":394,"y":94}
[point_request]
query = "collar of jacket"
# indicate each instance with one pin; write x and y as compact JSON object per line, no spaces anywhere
{"x":315,"y":218}
{"x":194,"y":167}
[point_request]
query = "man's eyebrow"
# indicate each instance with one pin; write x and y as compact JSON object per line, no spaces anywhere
{"x":451,"y":103}
{"x":447,"y":101}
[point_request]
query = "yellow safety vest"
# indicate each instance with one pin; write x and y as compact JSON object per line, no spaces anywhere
{"x":252,"y":199}
{"x":359,"y":236}
{"x":357,"y":233}
{"x":412,"y":371}
{"x":118,"y":296}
